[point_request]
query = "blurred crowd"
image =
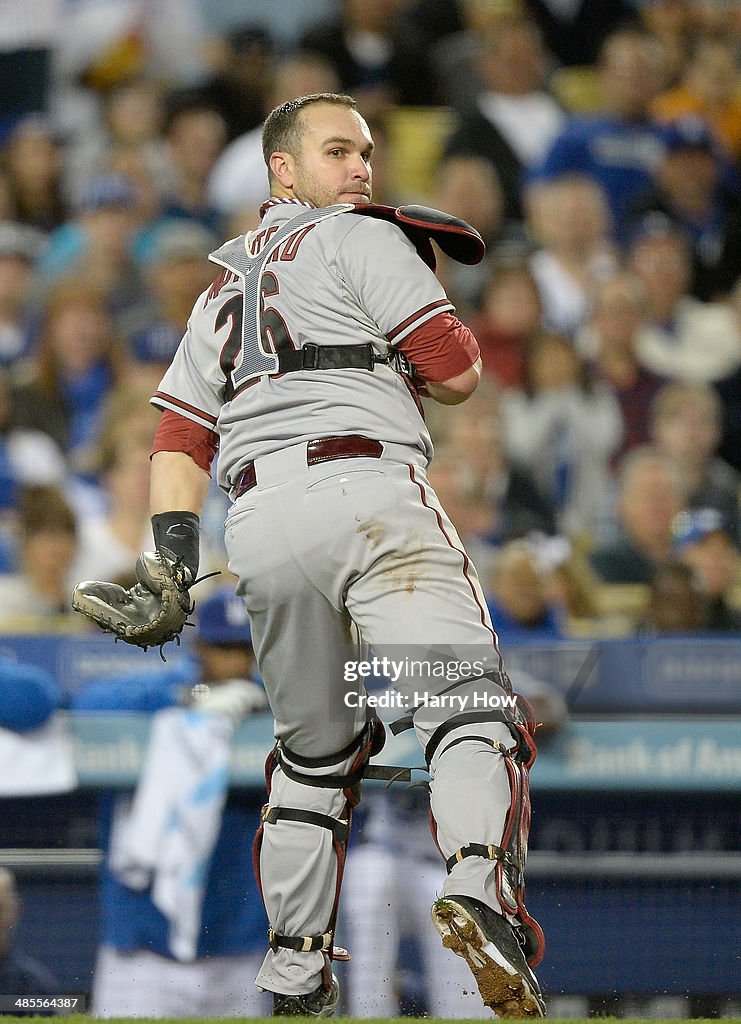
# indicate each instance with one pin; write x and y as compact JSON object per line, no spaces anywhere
{"x":596,"y":146}
{"x":593,"y":476}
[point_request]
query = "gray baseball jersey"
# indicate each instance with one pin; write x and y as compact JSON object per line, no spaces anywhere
{"x":367,"y":284}
{"x":327,"y":551}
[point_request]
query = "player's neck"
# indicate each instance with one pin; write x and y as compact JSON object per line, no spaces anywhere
{"x":279,"y":191}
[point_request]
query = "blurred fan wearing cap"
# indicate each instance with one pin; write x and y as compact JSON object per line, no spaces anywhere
{"x":96,"y":242}
{"x":686,"y":423}
{"x":176,"y":239}
{"x":173,"y":260}
{"x":20,"y":248}
{"x":704,"y":543}
{"x":691,"y":188}
{"x":106,"y":191}
{"x":227,"y":661}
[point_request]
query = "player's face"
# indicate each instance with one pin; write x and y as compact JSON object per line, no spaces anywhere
{"x":334,"y":163}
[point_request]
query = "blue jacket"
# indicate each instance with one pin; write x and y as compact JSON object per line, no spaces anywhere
{"x":233,"y":921}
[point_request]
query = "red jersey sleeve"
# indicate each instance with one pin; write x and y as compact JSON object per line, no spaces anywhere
{"x":441,"y":348}
{"x":175,"y":433}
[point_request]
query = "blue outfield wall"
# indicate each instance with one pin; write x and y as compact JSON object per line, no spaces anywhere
{"x":626,"y":936}
{"x":616,"y":938}
{"x":697,"y":674}
{"x":614,"y":933}
{"x":675,"y":755}
{"x":653,"y":746}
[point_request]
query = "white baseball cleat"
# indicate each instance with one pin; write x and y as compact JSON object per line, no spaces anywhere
{"x":489,"y":946}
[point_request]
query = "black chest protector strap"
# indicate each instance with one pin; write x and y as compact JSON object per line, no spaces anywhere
{"x":329,"y":357}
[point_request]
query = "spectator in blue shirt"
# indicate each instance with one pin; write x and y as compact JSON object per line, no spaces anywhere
{"x":693,"y":190}
{"x":78,"y":362}
{"x":28,"y":699}
{"x":621,"y":146}
{"x":519,"y":602}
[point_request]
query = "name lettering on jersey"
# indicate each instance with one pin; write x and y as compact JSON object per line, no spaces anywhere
{"x":284,"y":253}
{"x":290,"y":248}
{"x":261,"y":238}
{"x":224,"y":278}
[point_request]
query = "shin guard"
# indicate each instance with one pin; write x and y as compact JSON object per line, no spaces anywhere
{"x":349,"y":764}
{"x":510,"y":853}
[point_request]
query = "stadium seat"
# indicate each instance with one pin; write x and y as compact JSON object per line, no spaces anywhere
{"x":416,"y":139}
{"x":578,"y":89}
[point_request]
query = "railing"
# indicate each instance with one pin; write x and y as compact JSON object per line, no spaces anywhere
{"x":696,"y":867}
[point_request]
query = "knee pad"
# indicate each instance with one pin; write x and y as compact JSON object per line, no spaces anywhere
{"x":313,"y":771}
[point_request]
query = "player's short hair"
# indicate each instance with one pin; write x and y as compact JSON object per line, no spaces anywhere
{"x":284,"y":126}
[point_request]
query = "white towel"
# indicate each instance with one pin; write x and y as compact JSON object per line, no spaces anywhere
{"x":167,"y":833}
{"x":39,"y":761}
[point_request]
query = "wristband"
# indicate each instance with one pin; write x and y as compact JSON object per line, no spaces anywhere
{"x":179,"y":533}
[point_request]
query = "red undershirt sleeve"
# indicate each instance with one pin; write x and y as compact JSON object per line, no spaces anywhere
{"x":441,"y":348}
{"x":177,"y":433}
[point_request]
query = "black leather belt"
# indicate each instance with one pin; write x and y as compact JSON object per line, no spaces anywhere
{"x":323,"y":449}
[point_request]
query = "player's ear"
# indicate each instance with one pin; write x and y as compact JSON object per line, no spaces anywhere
{"x":282,"y":168}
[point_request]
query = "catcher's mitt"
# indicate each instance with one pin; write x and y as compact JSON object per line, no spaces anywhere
{"x":149,"y":614}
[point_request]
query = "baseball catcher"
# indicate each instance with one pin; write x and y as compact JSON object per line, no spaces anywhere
{"x":289,"y":369}
{"x":155,"y":609}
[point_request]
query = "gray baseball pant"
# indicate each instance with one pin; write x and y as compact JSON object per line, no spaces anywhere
{"x":324,"y":553}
